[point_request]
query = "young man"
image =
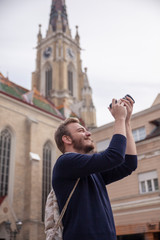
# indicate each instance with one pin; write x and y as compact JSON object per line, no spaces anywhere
{"x":89,"y":214}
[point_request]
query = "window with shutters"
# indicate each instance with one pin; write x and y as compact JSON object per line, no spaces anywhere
{"x":139,"y":134}
{"x":148,"y":182}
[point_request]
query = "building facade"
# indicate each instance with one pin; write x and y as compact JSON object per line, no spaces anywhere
{"x":27,"y":155}
{"x":136,"y":199}
{"x":60,"y":88}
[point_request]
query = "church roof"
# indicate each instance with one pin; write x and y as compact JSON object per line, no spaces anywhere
{"x":33,"y":98}
{"x":58,"y":8}
{"x":70,"y":113}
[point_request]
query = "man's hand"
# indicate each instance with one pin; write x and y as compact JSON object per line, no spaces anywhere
{"x":119,"y":112}
{"x":118,"y":109}
{"x":128,"y":103}
{"x":131,"y":146}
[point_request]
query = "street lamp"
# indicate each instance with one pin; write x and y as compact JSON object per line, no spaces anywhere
{"x":13,"y":233}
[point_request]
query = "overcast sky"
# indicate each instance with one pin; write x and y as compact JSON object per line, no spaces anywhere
{"x":120,"y":41}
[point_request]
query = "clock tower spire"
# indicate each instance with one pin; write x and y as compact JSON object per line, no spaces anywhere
{"x":59,"y":75}
{"x":58,"y":16}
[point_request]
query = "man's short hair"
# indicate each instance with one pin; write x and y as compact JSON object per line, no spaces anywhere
{"x":62,"y":130}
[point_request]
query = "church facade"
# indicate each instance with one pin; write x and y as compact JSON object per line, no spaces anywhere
{"x":59,"y":75}
{"x":29,"y":118}
{"x":27,"y":155}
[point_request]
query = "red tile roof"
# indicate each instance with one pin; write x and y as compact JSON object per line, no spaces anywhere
{"x":22,"y":94}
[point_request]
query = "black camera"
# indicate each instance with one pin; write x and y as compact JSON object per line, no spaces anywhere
{"x":123,"y":98}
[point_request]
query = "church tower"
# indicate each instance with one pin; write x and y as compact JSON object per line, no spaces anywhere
{"x":59,"y":75}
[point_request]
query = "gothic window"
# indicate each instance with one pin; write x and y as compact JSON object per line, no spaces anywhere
{"x":70,"y":82}
{"x":5,"y":150}
{"x":46,"y":180}
{"x":48,"y":81}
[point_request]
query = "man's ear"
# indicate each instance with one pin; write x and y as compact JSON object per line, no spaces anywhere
{"x":66,"y":139}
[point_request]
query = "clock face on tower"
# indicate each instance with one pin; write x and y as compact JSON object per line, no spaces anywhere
{"x":70,"y":53}
{"x":47,"y":52}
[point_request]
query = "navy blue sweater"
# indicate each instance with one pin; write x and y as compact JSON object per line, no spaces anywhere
{"x":89,"y":214}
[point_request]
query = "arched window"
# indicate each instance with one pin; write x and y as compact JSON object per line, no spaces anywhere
{"x":48,"y":81}
{"x":5,"y":152}
{"x":70,"y":82}
{"x":46,"y":180}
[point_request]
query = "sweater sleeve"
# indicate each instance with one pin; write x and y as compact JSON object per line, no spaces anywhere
{"x":121,"y":171}
{"x":74,"y":165}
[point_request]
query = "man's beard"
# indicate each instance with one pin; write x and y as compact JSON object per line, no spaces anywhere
{"x":79,"y":146}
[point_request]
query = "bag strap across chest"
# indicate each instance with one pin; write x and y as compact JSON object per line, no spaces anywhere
{"x":66,"y":204}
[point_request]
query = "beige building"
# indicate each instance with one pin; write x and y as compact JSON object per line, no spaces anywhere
{"x":136,"y":199}
{"x":27,"y":155}
{"x":60,"y":88}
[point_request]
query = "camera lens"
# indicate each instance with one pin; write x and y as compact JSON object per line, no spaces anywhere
{"x":127,"y":95}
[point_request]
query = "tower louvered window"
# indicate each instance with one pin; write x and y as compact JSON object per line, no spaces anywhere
{"x":46,"y":181}
{"x":5,"y":150}
{"x":48,"y":75}
{"x":70,"y":82}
